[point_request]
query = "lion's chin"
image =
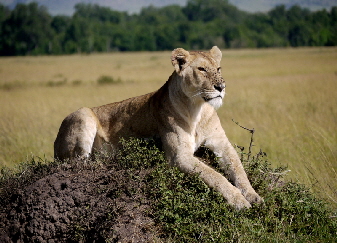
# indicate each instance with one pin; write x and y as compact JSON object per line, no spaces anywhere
{"x":215,"y":102}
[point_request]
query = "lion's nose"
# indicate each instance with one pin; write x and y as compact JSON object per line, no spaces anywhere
{"x":220,"y":87}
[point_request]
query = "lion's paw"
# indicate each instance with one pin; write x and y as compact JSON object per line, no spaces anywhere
{"x":239,"y":202}
{"x":254,"y":198}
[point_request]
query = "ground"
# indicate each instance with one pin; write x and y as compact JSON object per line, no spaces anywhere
{"x":93,"y":203}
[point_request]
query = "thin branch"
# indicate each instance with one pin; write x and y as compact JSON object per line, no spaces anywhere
{"x":251,"y":138}
{"x":250,"y":130}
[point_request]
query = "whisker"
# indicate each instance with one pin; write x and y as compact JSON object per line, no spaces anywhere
{"x":198,"y":92}
{"x":206,"y":92}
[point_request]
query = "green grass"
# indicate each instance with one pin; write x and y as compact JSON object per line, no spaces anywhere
{"x":186,"y":210}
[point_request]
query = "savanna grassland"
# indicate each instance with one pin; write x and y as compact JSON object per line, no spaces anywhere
{"x":289,"y":96}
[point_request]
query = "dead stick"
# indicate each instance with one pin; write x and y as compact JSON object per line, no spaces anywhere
{"x":251,"y":138}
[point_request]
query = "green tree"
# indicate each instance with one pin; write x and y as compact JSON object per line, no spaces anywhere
{"x":332,"y":41}
{"x":199,"y":10}
{"x":299,"y":35}
{"x":27,"y":30}
{"x":79,"y":34}
{"x":4,"y":13}
{"x":280,"y":23}
{"x":154,"y":16}
{"x":123,"y":38}
{"x":145,"y":38}
{"x":299,"y":31}
{"x":166,"y":36}
{"x":59,"y":25}
{"x":320,"y":22}
{"x":98,"y":13}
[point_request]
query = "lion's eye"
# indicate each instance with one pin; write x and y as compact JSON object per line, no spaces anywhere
{"x":201,"y":69}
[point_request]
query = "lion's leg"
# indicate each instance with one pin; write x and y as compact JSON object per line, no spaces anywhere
{"x":77,"y":135}
{"x":180,"y":153}
{"x":230,"y":163}
{"x":216,"y":181}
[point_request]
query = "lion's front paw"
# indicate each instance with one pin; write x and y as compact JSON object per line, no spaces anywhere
{"x":253,"y":198}
{"x":239,"y":202}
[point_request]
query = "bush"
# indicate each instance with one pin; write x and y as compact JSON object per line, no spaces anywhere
{"x":188,"y":211}
{"x":108,"y":80}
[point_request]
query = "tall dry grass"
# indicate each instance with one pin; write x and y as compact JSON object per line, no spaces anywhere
{"x":288,"y":96}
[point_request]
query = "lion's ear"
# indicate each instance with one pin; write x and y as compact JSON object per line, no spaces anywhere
{"x":216,"y":54}
{"x":179,"y":58}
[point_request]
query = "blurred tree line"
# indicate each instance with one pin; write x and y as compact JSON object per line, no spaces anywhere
{"x":31,"y":30}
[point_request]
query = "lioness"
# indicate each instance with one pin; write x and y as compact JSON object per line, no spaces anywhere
{"x":182,"y":113}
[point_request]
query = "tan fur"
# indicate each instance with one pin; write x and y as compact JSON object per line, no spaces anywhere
{"x":181,"y":113}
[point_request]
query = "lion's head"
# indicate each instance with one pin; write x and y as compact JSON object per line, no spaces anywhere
{"x":201,"y":73}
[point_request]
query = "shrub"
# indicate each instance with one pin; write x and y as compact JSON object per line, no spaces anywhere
{"x":76,"y":82}
{"x":8,"y":86}
{"x":188,"y":211}
{"x":57,"y":80}
{"x":104,"y":79}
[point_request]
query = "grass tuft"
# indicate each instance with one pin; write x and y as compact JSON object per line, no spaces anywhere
{"x":105,"y":79}
{"x":57,"y":80}
{"x":8,"y":86}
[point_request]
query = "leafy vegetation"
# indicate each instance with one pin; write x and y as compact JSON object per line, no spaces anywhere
{"x":31,"y":30}
{"x":189,"y":211}
{"x":186,"y":210}
{"x":105,"y":79}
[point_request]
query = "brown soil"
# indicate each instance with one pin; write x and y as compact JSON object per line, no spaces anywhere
{"x":78,"y":202}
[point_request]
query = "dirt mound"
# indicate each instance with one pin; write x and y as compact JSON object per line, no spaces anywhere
{"x":94,"y":203}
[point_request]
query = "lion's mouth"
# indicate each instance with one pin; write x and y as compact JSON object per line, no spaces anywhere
{"x":211,"y":98}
